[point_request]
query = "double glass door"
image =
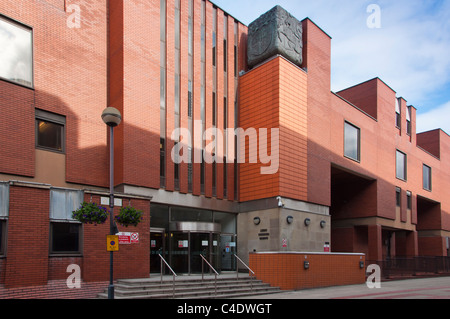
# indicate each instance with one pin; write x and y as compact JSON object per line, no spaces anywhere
{"x":186,"y":248}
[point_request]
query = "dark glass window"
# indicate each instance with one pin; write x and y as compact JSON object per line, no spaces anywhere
{"x":50,"y":130}
{"x":50,"y":135}
{"x":401,"y":165}
{"x":16,"y":53}
{"x":162,"y":161}
{"x":65,"y":237}
{"x":409,"y":200}
{"x":427,"y":177}
{"x":398,"y":200}
{"x":352,"y":142}
{"x":2,"y":240}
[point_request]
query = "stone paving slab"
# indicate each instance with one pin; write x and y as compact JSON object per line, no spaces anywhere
{"x":424,"y":288}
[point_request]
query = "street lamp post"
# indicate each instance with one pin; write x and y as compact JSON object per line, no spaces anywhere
{"x":112,"y":118}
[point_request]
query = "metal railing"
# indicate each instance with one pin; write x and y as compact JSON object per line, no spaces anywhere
{"x":212,"y":268}
{"x":413,"y":266}
{"x":248,"y":268}
{"x":163,"y":261}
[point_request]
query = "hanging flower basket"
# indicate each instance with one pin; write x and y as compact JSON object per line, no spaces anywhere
{"x":91,"y":213}
{"x":129,"y":216}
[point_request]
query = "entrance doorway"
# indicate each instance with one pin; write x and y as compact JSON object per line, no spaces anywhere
{"x":183,"y":234}
{"x":157,"y":247}
{"x":189,"y":240}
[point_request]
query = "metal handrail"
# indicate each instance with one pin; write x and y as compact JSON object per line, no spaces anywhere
{"x":173,"y":273}
{"x":248,"y":268}
{"x":215,"y":273}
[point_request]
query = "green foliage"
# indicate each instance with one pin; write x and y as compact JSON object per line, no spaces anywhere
{"x":91,"y":213}
{"x":129,"y":216}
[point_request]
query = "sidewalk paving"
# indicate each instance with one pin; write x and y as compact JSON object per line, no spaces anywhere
{"x":423,"y":288}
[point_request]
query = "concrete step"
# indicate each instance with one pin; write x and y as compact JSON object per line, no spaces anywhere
{"x":189,"y":288}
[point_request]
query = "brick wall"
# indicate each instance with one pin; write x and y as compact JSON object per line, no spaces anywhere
{"x":28,"y":237}
{"x":273,"y":96}
{"x":286,"y":270}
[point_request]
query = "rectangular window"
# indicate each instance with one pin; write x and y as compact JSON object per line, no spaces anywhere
{"x":16,"y":53}
{"x":408,"y":120}
{"x":352,"y":143}
{"x":50,"y":131}
{"x":65,"y":238}
{"x":65,"y":233}
{"x":162,"y":162}
{"x":427,"y":177}
{"x":409,"y":200}
{"x":398,"y":197}
{"x":398,"y":114}
{"x":401,"y":165}
{"x":2,"y":237}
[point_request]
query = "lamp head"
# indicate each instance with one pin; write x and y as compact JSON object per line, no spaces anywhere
{"x":111,"y":117}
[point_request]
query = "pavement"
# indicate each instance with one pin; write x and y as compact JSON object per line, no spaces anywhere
{"x":423,"y":288}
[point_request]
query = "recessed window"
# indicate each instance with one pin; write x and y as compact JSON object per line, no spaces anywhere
{"x":16,"y":52}
{"x":65,"y":233}
{"x":401,"y":165}
{"x":398,"y":197}
{"x":2,"y":236}
{"x":352,"y":137}
{"x":65,"y":238}
{"x":427,"y":177}
{"x":409,"y":200}
{"x":398,"y":114}
{"x":50,"y":130}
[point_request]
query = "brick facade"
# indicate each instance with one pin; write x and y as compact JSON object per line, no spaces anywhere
{"x":114,"y":59}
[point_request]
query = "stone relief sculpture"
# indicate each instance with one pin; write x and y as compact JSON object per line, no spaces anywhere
{"x":275,"y":32}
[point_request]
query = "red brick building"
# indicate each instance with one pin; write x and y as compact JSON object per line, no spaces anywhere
{"x":353,"y":173}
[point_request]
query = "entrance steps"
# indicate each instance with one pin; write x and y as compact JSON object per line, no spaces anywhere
{"x":190,"y":287}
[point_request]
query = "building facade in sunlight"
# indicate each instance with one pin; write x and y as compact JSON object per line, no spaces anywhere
{"x":350,"y":173}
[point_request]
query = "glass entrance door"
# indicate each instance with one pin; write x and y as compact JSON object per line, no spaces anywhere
{"x":227,"y":251}
{"x":186,"y":248}
{"x":200,"y":245}
{"x":156,"y":248}
{"x":179,"y":252}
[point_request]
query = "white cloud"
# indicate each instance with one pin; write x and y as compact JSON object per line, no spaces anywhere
{"x":409,"y":52}
{"x":433,"y":119}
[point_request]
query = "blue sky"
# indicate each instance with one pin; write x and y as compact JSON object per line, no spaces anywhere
{"x":410,"y":51}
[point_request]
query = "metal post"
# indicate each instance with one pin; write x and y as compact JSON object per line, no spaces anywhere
{"x":111,"y":212}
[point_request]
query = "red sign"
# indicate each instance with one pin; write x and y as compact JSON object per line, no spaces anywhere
{"x":124,"y":239}
{"x":135,"y":238}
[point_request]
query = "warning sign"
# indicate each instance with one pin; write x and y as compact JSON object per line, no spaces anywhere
{"x":128,"y":238}
{"x":124,"y":238}
{"x":112,"y":243}
{"x":135,"y":238}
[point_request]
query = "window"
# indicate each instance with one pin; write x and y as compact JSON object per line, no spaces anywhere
{"x":352,"y":142}
{"x":398,"y":113}
{"x":398,"y":197}
{"x":401,"y":165}
{"x":427,"y":177}
{"x":50,"y":131}
{"x":16,"y":53}
{"x":162,"y":162}
{"x":408,"y":120}
{"x":65,"y":238}
{"x":409,"y":200}
{"x":65,"y":233}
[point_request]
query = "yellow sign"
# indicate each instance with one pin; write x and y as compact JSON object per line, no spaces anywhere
{"x":112,"y":243}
